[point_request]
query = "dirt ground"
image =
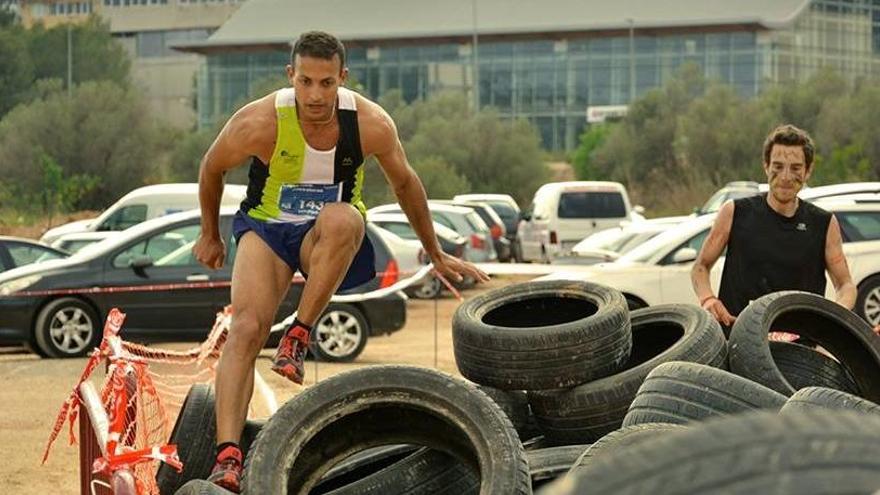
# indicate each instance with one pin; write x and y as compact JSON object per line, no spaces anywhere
{"x":32,"y":391}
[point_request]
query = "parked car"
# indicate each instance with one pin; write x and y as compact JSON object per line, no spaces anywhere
{"x":506,"y":208}
{"x":74,"y":241}
{"x":149,"y":272}
{"x":731,"y":190}
{"x":563,"y":213}
{"x":611,"y":244}
{"x":659,"y":270}
{"x":145,"y":203}
{"x":450,"y":241}
{"x":18,"y":251}
{"x":465,"y":221}
{"x":496,"y":226}
{"x":742,"y":189}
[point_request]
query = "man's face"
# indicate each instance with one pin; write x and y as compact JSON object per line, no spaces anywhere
{"x":787,"y":172}
{"x":316,"y":81}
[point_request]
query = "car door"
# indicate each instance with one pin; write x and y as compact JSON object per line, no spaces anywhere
{"x":675,"y":278}
{"x":175,"y":296}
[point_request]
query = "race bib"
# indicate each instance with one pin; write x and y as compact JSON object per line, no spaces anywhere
{"x":306,"y":200}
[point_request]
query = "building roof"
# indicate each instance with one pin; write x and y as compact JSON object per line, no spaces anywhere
{"x":270,"y":22}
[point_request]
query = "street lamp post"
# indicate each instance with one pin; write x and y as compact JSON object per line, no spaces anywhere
{"x":476,"y":57}
{"x":632,"y":59}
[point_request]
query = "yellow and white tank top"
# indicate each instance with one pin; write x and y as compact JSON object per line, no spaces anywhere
{"x":299,"y":180}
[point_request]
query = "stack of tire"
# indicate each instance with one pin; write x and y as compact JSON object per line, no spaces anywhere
{"x":570,"y":385}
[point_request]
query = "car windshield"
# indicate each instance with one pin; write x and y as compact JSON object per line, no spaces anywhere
{"x":606,"y":240}
{"x":676,"y":235}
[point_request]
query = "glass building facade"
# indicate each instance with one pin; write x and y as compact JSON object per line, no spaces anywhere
{"x":551,"y":81}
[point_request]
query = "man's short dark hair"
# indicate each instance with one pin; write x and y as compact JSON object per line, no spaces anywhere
{"x":789,"y":135}
{"x":318,"y":44}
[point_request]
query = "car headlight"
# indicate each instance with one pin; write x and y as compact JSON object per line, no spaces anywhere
{"x":18,"y":284}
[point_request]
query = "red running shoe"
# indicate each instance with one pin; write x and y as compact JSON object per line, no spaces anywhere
{"x":227,"y":471}
{"x":288,"y":360}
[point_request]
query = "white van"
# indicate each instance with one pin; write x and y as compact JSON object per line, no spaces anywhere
{"x":145,"y":203}
{"x":564,"y":213}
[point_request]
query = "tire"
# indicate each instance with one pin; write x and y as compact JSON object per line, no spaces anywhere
{"x":194,"y":434}
{"x":200,"y":487}
{"x":541,"y":335}
{"x":545,"y":465}
{"x":680,"y":392}
{"x":383,"y":405}
{"x":804,"y":367}
{"x":758,"y":452}
{"x":429,"y":289}
{"x":660,"y":334}
{"x":846,"y":336}
{"x":340,"y":335}
{"x":360,"y":466}
{"x":868,"y":301}
{"x":67,"y":327}
{"x":515,"y":405}
{"x":813,"y":398}
{"x":623,"y":438}
{"x":425,"y":471}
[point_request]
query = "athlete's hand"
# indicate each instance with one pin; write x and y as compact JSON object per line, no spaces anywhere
{"x":714,"y":306}
{"x":456,"y":269}
{"x":877,"y":329}
{"x":210,"y":251}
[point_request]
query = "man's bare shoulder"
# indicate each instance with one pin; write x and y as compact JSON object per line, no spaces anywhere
{"x":254,"y":125}
{"x":376,"y":127}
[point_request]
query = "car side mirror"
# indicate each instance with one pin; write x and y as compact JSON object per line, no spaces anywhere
{"x":138,"y":263}
{"x":684,"y":255}
{"x":639,"y":209}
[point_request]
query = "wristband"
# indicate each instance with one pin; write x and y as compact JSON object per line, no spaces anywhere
{"x":704,"y":300}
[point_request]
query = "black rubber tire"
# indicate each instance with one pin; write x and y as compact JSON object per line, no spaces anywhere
{"x":537,"y":442}
{"x":541,"y":335}
{"x":813,"y":398}
{"x":382,"y":405}
{"x":846,"y":336}
{"x":200,"y":487}
{"x":92,"y":326}
{"x":865,"y":306}
{"x":515,"y":404}
{"x":623,"y":438}
{"x":545,"y":465}
{"x":660,"y":334}
{"x":425,"y":471}
{"x":194,"y":433}
{"x":803,"y":366}
{"x":361,"y":465}
{"x":758,"y":452}
{"x":347,"y":317}
{"x":679,"y":392}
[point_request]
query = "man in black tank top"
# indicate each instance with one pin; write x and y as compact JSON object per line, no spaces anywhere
{"x":774,"y":241}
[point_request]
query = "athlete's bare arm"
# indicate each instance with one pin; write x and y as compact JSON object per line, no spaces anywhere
{"x":838,"y":270}
{"x":379,"y":138}
{"x":709,"y":254}
{"x":249,"y":132}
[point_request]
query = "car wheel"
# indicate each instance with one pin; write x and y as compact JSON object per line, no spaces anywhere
{"x":429,"y":289}
{"x":67,"y":327}
{"x":340,"y":334}
{"x":868,"y":301}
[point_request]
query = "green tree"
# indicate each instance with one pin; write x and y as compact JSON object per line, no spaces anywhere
{"x":60,"y":193}
{"x":16,"y":68}
{"x":583,"y":158}
{"x":104,"y":130}
{"x":96,"y":55}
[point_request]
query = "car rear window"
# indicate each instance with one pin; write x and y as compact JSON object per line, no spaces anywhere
{"x":503,"y":210}
{"x":591,"y":204}
{"x":403,"y":230}
{"x":476,"y":222}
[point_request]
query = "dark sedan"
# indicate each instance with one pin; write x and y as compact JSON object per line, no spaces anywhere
{"x":148,"y":271}
{"x":17,"y":251}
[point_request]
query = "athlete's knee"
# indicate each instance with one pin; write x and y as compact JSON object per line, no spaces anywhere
{"x":340,"y":222}
{"x":247,"y":334}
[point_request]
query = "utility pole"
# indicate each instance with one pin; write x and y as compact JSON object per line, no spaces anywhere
{"x":632,"y":59}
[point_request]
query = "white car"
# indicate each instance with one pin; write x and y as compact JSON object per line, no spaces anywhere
{"x":659,"y":271}
{"x":74,"y":241}
{"x":611,"y":244}
{"x":145,"y":203}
